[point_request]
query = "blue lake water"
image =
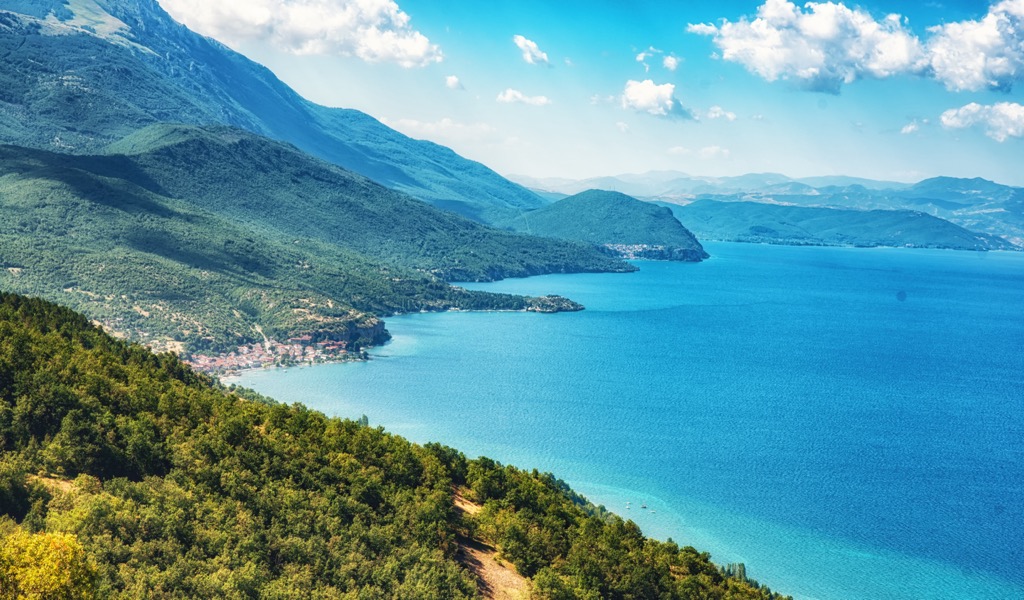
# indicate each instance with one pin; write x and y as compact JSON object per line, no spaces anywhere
{"x":846,"y":422}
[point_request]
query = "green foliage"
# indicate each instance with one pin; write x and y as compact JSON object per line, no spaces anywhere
{"x":45,"y":566}
{"x":150,"y":480}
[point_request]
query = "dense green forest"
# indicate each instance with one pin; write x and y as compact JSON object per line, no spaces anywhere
{"x":124,"y":474}
{"x":212,"y":236}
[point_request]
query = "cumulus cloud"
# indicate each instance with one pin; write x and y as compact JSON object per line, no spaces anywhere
{"x":531,"y":52}
{"x":1000,"y":121}
{"x":669,"y":61}
{"x":822,"y":48}
{"x":713,"y":152}
{"x":648,"y":97}
{"x":717,"y":112}
{"x":622,"y":127}
{"x":824,"y":45}
{"x":510,"y":96}
{"x":452,"y":82}
{"x":910,"y":127}
{"x":973,"y":55}
{"x":372,"y":30}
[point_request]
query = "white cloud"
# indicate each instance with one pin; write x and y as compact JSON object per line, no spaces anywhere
{"x":973,"y":55}
{"x":531,"y":52}
{"x":622,"y":127}
{"x":679,"y":151}
{"x":910,"y":127}
{"x":373,"y":30}
{"x":713,"y":152}
{"x":669,"y":61}
{"x":717,"y":112}
{"x":515,"y":96}
{"x":648,"y":97}
{"x":1001,"y":121}
{"x":452,"y":82}
{"x":824,"y":45}
{"x":822,"y":48}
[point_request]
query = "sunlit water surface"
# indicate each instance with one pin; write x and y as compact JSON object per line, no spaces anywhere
{"x":846,"y":422}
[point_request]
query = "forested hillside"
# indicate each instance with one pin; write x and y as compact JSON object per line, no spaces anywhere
{"x":215,"y":237}
{"x":613,"y":220}
{"x":126,"y":475}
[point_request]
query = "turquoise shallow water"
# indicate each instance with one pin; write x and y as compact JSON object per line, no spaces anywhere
{"x":847,"y":422}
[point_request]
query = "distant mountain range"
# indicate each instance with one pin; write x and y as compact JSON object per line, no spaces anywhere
{"x":620,"y":223}
{"x":976,"y":204}
{"x":799,"y":225}
{"x":80,"y":75}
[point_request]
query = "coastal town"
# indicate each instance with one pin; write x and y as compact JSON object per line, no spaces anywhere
{"x":271,"y":353}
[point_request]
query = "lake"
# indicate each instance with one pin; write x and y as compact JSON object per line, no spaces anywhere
{"x":846,"y":422}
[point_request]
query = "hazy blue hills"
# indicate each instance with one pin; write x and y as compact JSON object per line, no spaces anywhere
{"x":80,"y":75}
{"x":777,"y":224}
{"x":209,"y":236}
{"x":975,"y":204}
{"x":627,"y":225}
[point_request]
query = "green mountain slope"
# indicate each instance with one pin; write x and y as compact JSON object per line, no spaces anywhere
{"x":637,"y":228}
{"x":776,"y":224}
{"x":79,"y":74}
{"x":100,"y":234}
{"x":152,"y":482}
{"x":273,"y":186}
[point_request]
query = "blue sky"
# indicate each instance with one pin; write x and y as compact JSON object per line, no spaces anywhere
{"x":886,"y":90}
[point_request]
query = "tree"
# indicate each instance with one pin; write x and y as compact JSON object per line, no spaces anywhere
{"x":51,"y":566}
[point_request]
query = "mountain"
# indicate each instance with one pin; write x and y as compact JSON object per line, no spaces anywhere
{"x":776,"y":224}
{"x":212,"y":237}
{"x":657,"y":184}
{"x":617,"y":221}
{"x":844,"y":181}
{"x":126,"y":475}
{"x":80,"y":74}
{"x":272,"y":185}
{"x":975,"y":204}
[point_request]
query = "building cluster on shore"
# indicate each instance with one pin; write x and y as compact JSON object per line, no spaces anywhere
{"x":633,"y":251}
{"x":271,"y":353}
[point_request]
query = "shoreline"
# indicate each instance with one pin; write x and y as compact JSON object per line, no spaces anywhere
{"x":301,"y":352}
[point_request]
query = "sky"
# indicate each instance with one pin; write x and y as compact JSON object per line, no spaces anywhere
{"x":887,"y":90}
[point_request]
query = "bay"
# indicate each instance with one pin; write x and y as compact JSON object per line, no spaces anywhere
{"x":846,"y":422}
